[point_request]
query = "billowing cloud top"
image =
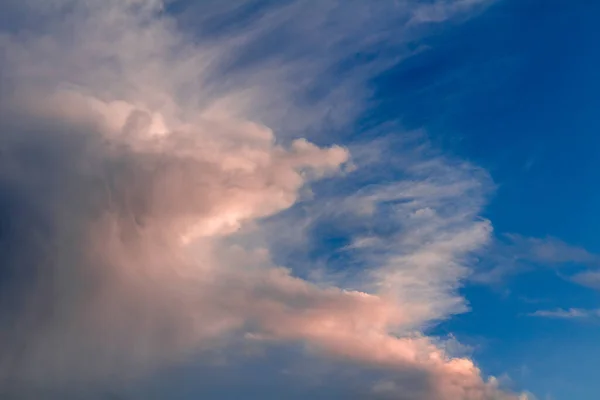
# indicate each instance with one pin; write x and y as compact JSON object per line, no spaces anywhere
{"x":143,"y":174}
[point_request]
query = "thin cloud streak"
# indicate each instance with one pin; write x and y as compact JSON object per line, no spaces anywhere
{"x":571,"y":313}
{"x":512,"y":254}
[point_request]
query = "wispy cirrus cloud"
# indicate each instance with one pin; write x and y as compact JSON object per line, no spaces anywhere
{"x":141,"y":165}
{"x":571,"y":313}
{"x":442,"y":10}
{"x":511,"y":254}
{"x":589,"y":279}
{"x":551,"y":250}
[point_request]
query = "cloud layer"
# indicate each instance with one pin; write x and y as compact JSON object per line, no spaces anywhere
{"x":137,"y":171}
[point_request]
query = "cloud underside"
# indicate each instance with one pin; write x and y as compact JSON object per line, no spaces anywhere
{"x":136,"y":179}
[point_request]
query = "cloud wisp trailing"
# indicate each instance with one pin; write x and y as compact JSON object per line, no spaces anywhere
{"x":136,"y":161}
{"x":513,"y":254}
{"x":571,"y":313}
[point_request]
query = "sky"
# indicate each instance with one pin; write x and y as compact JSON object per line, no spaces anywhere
{"x":323,"y":199}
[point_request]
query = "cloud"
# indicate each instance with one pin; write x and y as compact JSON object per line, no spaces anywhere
{"x":555,"y":252}
{"x":551,"y":250}
{"x":589,"y":279}
{"x":442,"y":10}
{"x":411,"y":236}
{"x":571,"y":313}
{"x":136,"y":163}
{"x":512,"y":254}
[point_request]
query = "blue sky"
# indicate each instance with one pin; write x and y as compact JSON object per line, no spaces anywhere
{"x":515,"y":91}
{"x":291,"y":199}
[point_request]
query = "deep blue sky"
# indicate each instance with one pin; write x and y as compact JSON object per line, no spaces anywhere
{"x":515,"y":90}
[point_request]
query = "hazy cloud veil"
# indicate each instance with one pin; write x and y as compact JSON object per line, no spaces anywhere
{"x":138,"y":162}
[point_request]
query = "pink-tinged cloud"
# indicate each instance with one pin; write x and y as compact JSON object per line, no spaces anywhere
{"x":133,"y":182}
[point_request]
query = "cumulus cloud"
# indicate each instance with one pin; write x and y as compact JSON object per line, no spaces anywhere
{"x":133,"y":170}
